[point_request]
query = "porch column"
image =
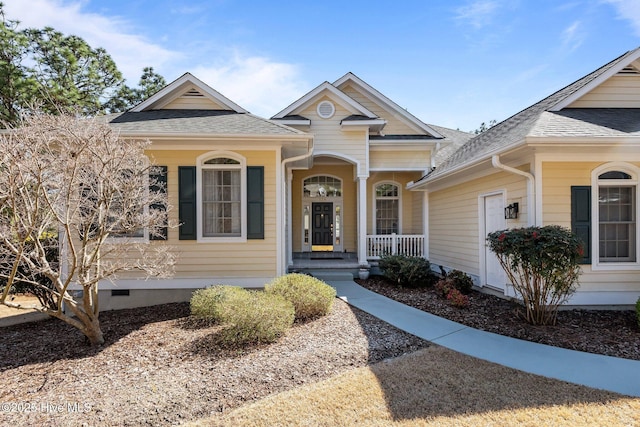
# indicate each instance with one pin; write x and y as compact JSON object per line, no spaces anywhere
{"x":425,"y":224}
{"x":289,"y":216}
{"x":362,"y":220}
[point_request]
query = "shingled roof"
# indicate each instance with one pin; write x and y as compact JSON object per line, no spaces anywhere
{"x":540,"y":120}
{"x":207,"y":122}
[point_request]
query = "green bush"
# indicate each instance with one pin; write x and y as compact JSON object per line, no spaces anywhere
{"x":310,"y":297}
{"x":212,"y":303}
{"x":542,"y":264}
{"x":255,"y":317}
{"x":461,"y":281}
{"x":638,"y":311}
{"x":407,"y":271}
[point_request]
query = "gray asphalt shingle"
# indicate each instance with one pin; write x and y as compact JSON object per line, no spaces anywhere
{"x":214,"y":122}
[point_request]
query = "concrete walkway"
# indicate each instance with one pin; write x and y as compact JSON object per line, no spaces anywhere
{"x":592,"y":370}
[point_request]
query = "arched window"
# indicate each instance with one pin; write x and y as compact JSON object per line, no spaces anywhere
{"x":221,"y":190}
{"x":615,"y":216}
{"x":322,"y":186}
{"x":387,"y":208}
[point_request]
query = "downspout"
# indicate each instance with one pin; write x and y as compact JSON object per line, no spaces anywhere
{"x":531,"y":197}
{"x":286,"y":206}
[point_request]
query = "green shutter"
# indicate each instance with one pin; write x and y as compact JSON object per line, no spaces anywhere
{"x":187,"y":202}
{"x":158,"y":176}
{"x":581,"y":218}
{"x":255,"y":202}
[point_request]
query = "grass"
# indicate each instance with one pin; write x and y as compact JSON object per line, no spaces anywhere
{"x":439,"y":387}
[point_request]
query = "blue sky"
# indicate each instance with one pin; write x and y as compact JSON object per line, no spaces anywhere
{"x":453,"y":63}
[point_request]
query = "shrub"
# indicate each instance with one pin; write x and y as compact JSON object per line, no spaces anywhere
{"x":638,"y":311}
{"x":310,"y":297}
{"x":443,"y":286}
{"x":255,"y":317}
{"x":212,"y":303}
{"x":407,"y":271}
{"x":461,"y":281}
{"x":457,"y":298}
{"x":542,"y":264}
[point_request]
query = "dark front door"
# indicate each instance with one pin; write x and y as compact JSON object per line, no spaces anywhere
{"x":322,"y":224}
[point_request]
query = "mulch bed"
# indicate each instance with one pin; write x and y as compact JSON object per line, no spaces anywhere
{"x":159,"y":367}
{"x":609,"y":332}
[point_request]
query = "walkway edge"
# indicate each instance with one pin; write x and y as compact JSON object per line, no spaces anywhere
{"x":591,"y":370}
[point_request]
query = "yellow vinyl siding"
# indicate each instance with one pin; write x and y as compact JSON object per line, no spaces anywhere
{"x":616,"y":92}
{"x":454,"y":222}
{"x":349,"y":200}
{"x":253,"y":258}
{"x":394,"y":126}
{"x":558,"y":177}
{"x":329,"y":136}
{"x":386,"y":159}
{"x":193,"y":103}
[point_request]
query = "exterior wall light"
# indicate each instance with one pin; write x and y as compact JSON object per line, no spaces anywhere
{"x":511,"y":211}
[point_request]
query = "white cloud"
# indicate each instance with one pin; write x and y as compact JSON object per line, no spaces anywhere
{"x":573,"y":36}
{"x":256,"y":83}
{"x":628,"y":10}
{"x":478,"y":14}
{"x":130,"y":51}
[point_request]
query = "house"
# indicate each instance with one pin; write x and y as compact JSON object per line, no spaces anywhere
{"x":322,"y":183}
{"x":572,"y":159}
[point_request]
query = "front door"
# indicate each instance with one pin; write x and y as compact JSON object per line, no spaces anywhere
{"x":322,"y":229}
{"x":493,"y":220}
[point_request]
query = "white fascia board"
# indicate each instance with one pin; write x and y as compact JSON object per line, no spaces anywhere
{"x":632,"y":56}
{"x":340,"y":97}
{"x":377,"y":97}
{"x":465,"y":166}
{"x":213,"y":137}
{"x":352,"y":123}
{"x":172,"y":91}
{"x":293,"y":122}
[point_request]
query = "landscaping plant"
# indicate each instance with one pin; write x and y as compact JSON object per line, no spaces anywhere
{"x":255,"y":317}
{"x":76,"y":180}
{"x":638,"y":311}
{"x":211,"y":303}
{"x":311,"y":297}
{"x":542,"y":264}
{"x":407,"y":271}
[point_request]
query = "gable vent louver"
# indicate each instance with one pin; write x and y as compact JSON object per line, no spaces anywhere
{"x":326,"y":109}
{"x":629,"y":71}
{"x":193,"y":93}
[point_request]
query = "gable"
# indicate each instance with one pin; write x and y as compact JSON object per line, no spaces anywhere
{"x":385,"y":107}
{"x":327,"y":91}
{"x":394,"y":126}
{"x":619,"y":91}
{"x":188,"y":93}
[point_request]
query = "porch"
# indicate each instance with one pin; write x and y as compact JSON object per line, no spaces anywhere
{"x":376,"y":246}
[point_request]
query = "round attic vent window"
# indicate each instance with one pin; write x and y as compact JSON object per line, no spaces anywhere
{"x":326,"y":109}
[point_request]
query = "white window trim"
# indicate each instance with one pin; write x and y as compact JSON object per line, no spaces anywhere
{"x":596,"y":264}
{"x":375,"y":204}
{"x":243,"y":196}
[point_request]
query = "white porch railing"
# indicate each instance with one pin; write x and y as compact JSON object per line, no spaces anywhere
{"x":394,"y":244}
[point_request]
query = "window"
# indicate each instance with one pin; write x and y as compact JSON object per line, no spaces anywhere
{"x":616,"y":217}
{"x":322,"y":186}
{"x":221,"y":196}
{"x":609,"y":221}
{"x":387,"y":208}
